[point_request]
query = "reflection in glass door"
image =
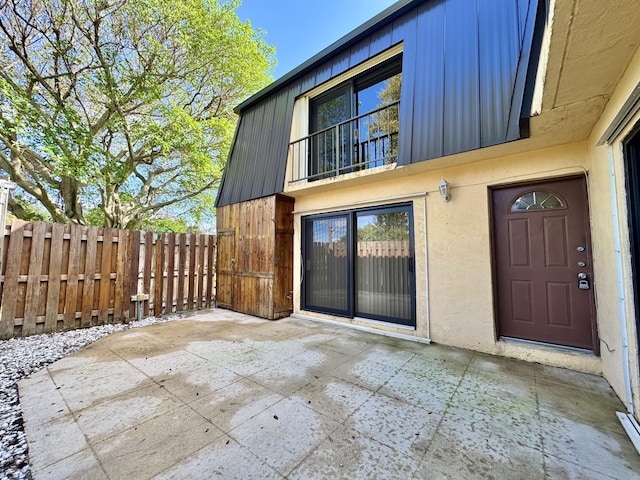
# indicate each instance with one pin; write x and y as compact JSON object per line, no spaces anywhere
{"x":384,"y":266}
{"x":326,"y":256}
{"x":359,"y":263}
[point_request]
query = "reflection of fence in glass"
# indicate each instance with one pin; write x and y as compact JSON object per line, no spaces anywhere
{"x":383,"y":281}
{"x":366,"y":141}
{"x":326,"y":279}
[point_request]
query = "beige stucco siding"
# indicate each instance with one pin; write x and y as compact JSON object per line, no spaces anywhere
{"x":612,"y":269}
{"x":454,"y":289}
{"x":454,"y":293}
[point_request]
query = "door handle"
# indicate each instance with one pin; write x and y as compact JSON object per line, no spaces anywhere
{"x":583,"y":282}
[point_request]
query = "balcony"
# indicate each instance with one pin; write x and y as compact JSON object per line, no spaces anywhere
{"x":366,"y":141}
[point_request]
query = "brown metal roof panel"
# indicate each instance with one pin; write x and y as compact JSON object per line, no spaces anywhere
{"x":260,"y":144}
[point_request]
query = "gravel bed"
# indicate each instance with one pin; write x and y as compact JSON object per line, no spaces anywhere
{"x":20,"y":357}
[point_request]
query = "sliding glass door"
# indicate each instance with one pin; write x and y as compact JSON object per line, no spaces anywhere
{"x":326,"y":265}
{"x":360,"y":264}
{"x":384,"y":266}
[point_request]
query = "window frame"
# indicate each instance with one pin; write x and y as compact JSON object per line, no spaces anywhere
{"x":300,"y":126}
{"x":376,"y":74}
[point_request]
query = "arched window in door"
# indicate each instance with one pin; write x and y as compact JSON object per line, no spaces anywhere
{"x":537,"y":201}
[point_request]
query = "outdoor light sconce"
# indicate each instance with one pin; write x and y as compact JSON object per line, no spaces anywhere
{"x":444,"y":190}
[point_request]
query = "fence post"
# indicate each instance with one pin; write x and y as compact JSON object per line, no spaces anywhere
{"x":134,"y":272}
{"x":6,"y":187}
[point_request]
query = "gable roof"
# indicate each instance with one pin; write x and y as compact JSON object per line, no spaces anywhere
{"x":384,"y":17}
{"x":465,"y":66}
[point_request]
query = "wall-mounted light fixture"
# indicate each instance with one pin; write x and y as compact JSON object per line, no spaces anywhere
{"x":444,"y":190}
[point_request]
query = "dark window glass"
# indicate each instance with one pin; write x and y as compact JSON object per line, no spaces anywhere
{"x":326,"y":261}
{"x":379,"y":282}
{"x":384,"y":267}
{"x":330,"y":146}
{"x":355,"y":126}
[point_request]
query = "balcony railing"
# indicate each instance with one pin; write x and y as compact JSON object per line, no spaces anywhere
{"x":366,"y":141}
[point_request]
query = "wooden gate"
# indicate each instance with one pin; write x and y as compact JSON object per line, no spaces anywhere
{"x":255,"y":257}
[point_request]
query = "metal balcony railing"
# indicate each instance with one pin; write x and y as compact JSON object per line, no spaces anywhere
{"x":366,"y":141}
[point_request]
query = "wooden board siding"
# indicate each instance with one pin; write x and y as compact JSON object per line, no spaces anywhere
{"x":58,"y":277}
{"x":255,"y":257}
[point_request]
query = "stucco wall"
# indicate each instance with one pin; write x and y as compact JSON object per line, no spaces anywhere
{"x":453,"y":253}
{"x":608,"y":197}
{"x":454,"y":278}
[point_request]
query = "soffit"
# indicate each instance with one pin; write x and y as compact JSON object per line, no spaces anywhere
{"x":591,"y":44}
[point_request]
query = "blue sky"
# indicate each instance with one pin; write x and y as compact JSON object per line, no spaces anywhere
{"x":301,"y":28}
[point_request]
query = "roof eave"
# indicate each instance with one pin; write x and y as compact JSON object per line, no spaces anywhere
{"x":384,"y":17}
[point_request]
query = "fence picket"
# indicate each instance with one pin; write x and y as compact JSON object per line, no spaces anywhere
{"x":33,"y":281}
{"x":10,"y":291}
{"x":105,"y":276}
{"x":146,"y":277}
{"x":53,"y":285}
{"x":171,"y":260}
{"x":71,"y":291}
{"x":182,"y":259}
{"x":159,"y":275}
{"x":200,"y":270}
{"x":210,"y":269}
{"x":59,"y":277}
{"x":88,"y":286}
{"x":134,"y":261}
{"x":192,"y":272}
{"x":121,"y":300}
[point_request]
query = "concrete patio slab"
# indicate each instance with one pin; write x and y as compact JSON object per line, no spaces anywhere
{"x":226,"y":395}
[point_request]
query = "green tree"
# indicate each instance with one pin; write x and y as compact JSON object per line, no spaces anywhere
{"x":120,"y":111}
{"x":386,"y":226}
{"x":385,"y":125}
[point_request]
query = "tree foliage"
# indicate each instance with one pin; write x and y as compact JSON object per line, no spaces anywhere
{"x":119,"y":111}
{"x":385,"y":227}
{"x":387,"y":122}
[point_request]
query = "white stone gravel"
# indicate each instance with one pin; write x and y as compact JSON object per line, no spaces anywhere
{"x":20,"y":357}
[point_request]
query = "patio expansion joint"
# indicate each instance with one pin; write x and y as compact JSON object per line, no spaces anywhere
{"x":444,"y":413}
{"x":545,"y":467}
{"x":75,"y":417}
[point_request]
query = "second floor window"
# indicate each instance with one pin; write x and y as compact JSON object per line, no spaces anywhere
{"x":355,"y":125}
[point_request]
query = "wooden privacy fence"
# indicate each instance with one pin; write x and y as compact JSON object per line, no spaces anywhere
{"x":59,"y":277}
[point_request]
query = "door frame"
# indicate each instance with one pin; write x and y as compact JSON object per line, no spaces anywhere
{"x":493,"y":257}
{"x":351,"y":215}
{"x":631,"y":156}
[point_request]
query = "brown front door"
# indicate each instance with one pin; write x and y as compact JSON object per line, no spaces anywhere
{"x":543,"y":270}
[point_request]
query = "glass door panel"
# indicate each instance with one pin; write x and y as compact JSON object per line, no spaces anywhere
{"x":384,"y":266}
{"x":326,"y":265}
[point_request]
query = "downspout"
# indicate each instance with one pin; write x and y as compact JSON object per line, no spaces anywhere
{"x":620,"y":284}
{"x":426,"y":266}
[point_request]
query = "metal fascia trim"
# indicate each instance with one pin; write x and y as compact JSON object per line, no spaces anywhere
{"x":384,"y":17}
{"x":630,"y":108}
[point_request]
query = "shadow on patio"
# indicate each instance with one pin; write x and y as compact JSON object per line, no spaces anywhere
{"x":225,"y":395}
